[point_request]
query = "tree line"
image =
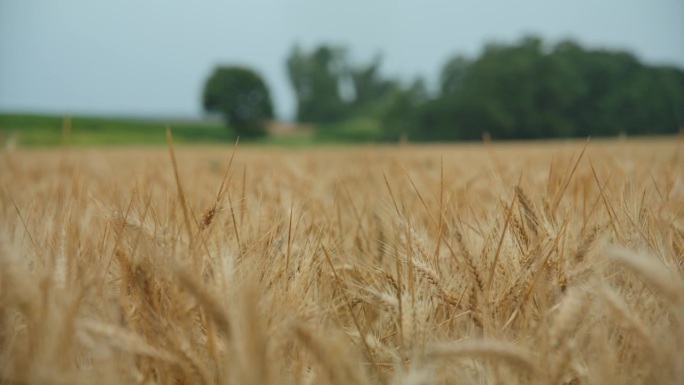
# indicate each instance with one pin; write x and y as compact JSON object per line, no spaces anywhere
{"x":521,"y":90}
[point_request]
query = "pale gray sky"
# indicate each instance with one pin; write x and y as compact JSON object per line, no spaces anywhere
{"x":150,"y":57}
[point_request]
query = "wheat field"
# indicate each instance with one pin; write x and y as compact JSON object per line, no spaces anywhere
{"x":539,"y":263}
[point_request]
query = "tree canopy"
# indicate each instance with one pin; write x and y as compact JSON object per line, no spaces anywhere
{"x":241,"y":96}
{"x":529,"y":90}
{"x":316,"y":78}
{"x":330,"y":89}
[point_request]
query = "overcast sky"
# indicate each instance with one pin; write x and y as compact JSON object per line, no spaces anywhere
{"x":151,"y":57}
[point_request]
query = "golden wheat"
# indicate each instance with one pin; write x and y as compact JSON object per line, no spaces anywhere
{"x":559,"y":263}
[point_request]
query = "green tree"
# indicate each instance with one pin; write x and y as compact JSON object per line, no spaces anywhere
{"x":241,"y":96}
{"x":371,"y":89}
{"x":453,"y":75}
{"x":530,"y":90}
{"x":316,"y":79}
{"x":508,"y":92}
{"x":400,"y":118}
{"x":332,"y":93}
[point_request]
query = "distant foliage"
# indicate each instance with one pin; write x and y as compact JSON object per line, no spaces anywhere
{"x":529,"y":91}
{"x":400,"y":117}
{"x":524,"y":90}
{"x":316,"y":80}
{"x":329,"y":89}
{"x":242,"y":97}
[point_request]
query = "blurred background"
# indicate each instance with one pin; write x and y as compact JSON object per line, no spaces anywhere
{"x":304,"y":72}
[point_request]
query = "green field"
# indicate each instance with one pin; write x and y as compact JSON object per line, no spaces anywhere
{"x":44,"y":130}
{"x":25,"y":130}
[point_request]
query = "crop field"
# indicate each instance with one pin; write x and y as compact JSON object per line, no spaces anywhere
{"x":40,"y":131}
{"x":516,"y":263}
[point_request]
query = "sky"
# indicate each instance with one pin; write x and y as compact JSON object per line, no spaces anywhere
{"x":151,"y":57}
